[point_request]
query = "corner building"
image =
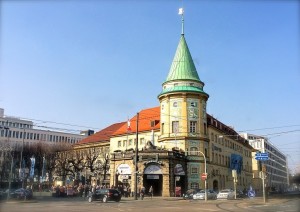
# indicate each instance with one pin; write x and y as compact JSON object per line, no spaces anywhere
{"x":173,"y":137}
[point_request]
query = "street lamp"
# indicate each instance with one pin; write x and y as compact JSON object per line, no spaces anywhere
{"x":21,"y":159}
{"x":205,"y":172}
{"x":136,"y":156}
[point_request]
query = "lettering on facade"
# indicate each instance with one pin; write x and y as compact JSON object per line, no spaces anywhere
{"x":215,"y":148}
{"x":153,"y":161}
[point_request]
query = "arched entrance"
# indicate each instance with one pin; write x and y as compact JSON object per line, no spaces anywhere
{"x":153,"y":177}
{"x":123,"y":175}
{"x":215,"y":185}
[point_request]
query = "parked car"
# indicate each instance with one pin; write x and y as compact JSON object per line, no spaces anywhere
{"x":2,"y":195}
{"x":105,"y":195}
{"x":21,"y":193}
{"x":239,"y":194}
{"x":201,"y":194}
{"x":189,"y":193}
{"x":223,"y":194}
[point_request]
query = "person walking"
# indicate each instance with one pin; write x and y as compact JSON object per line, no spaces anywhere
{"x":142,"y":193}
{"x":151,"y":191}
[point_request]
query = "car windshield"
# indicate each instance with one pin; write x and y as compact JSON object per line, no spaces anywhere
{"x":190,"y":191}
{"x":225,"y":191}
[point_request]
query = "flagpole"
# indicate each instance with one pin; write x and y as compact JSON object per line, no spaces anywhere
{"x":136,"y":156}
{"x":181,"y":12}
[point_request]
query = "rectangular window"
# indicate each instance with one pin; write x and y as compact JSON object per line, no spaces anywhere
{"x":194,"y":170}
{"x":193,"y":104}
{"x":194,"y":185}
{"x":162,"y":128}
{"x":130,"y":142}
{"x":193,"y":126}
{"x":124,"y":143}
{"x":175,"y":126}
{"x":142,"y":141}
{"x":119,"y":143}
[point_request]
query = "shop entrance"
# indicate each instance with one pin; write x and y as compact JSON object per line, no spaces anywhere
{"x":153,"y":177}
{"x":155,"y":181}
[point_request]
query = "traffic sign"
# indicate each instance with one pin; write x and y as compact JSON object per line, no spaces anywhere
{"x":261,"y":158}
{"x":203,"y":176}
{"x":262,"y":154}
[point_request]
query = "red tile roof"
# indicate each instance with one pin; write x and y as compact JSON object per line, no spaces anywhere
{"x":145,"y":118}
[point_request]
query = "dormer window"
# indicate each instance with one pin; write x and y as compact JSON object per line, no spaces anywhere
{"x":152,"y":123}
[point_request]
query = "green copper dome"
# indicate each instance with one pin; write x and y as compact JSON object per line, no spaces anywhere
{"x":183,"y":76}
{"x":183,"y":67}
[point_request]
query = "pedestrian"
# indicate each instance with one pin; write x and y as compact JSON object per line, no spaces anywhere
{"x":151,"y":191}
{"x":142,"y":193}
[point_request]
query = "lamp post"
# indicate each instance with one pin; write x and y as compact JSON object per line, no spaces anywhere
{"x":136,"y":156}
{"x":9,"y":148}
{"x":21,"y":159}
{"x":205,"y":172}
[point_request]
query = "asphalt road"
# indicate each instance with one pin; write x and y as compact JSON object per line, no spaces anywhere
{"x":161,"y":204}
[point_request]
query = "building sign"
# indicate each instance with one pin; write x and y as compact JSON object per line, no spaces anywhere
{"x":215,"y":148}
{"x":124,"y":169}
{"x":236,"y":162}
{"x":178,"y":170}
{"x":153,"y":169}
{"x":153,"y":176}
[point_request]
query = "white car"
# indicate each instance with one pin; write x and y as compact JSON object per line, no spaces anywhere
{"x":223,"y":194}
{"x":201,"y":194}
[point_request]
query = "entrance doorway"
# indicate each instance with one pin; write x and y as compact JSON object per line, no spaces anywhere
{"x":153,"y":177}
{"x":155,"y":181}
{"x":215,"y":185}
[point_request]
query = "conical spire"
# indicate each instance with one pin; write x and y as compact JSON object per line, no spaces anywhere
{"x":183,"y":67}
{"x":183,"y":76}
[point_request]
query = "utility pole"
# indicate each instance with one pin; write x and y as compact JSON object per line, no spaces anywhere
{"x":263,"y":176}
{"x":136,"y":155}
{"x":21,"y":174}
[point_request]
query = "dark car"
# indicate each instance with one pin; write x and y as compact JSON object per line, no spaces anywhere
{"x":239,"y":194}
{"x":21,"y":193}
{"x":105,"y":195}
{"x":189,"y":193}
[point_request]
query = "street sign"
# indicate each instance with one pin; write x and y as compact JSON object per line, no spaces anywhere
{"x":262,"y":175}
{"x":203,"y":176}
{"x":261,"y":156}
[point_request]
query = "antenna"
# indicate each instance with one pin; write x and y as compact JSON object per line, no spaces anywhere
{"x":181,"y":12}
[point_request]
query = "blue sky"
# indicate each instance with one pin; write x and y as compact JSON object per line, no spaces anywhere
{"x":94,"y":63}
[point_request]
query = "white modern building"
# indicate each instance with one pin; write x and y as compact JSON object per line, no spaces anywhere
{"x":276,"y":166}
{"x":16,"y":131}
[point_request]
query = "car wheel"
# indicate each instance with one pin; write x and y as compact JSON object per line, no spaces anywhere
{"x":90,"y":199}
{"x":104,"y":199}
{"x":118,"y":200}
